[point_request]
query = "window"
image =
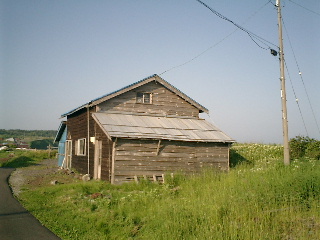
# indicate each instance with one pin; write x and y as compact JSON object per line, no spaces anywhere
{"x":81,"y":147}
{"x":144,"y":98}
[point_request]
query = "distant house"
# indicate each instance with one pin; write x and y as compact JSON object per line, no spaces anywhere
{"x":146,"y":129}
{"x":23,"y":145}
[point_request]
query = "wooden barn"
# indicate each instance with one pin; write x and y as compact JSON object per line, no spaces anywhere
{"x":144,"y":130}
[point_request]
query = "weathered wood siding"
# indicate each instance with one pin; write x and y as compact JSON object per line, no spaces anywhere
{"x":77,"y":129}
{"x":148,"y":158}
{"x":164,"y":102}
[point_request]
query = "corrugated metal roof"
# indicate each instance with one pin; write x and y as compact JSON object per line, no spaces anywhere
{"x":154,"y":127}
{"x":154,"y":77}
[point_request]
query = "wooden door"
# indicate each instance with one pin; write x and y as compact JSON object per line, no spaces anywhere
{"x":97,"y":159}
{"x":68,"y":155}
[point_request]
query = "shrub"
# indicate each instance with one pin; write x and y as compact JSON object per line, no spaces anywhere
{"x":313,"y":150}
{"x":304,"y":147}
{"x":42,"y":144}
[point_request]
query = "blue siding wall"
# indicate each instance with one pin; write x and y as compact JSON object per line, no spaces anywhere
{"x":61,"y":147}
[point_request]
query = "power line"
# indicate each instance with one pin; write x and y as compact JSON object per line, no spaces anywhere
{"x":301,"y":77}
{"x":217,"y":43}
{"x":297,"y":100}
{"x":305,"y":8}
{"x":255,"y":38}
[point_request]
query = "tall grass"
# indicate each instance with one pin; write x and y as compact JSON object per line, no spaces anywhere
{"x":258,"y":199}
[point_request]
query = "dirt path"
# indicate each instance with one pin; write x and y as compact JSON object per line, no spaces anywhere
{"x":44,"y":173}
{"x":32,"y":175}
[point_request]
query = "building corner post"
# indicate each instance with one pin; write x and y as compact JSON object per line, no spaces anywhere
{"x":114,"y":144}
{"x":88,"y":137}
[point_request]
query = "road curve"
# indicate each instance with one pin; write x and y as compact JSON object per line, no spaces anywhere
{"x":15,"y":221}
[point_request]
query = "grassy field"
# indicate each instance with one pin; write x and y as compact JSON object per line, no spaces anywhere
{"x":258,"y":199}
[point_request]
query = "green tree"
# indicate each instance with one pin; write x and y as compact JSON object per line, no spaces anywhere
{"x":42,"y":144}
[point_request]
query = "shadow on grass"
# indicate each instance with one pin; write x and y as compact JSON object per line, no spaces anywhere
{"x":237,"y":159}
{"x":19,"y":162}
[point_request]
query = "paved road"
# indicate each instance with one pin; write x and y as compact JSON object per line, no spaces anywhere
{"x":16,"y":223}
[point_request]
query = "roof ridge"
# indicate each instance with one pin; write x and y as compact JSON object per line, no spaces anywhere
{"x":130,"y":85}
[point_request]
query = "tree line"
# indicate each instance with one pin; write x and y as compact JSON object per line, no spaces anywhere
{"x":36,"y":139}
{"x":18,"y":133}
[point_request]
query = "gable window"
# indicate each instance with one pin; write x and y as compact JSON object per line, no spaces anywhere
{"x":144,"y":97}
{"x":81,"y":147}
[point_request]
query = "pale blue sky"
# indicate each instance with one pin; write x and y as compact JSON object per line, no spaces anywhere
{"x":58,"y":55}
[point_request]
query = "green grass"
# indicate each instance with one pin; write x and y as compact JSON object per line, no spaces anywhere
{"x":258,"y":199}
{"x":23,"y":158}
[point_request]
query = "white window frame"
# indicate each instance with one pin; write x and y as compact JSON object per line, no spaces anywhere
{"x":81,"y":147}
{"x":143,"y":97}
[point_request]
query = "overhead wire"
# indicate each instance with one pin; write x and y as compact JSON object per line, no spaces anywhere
{"x":220,"y":41}
{"x":305,"y":8}
{"x":297,"y":100}
{"x":254,"y":37}
{"x":216,"y":44}
{"x":301,"y":78}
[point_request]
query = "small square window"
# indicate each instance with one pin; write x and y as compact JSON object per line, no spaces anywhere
{"x":144,"y":98}
{"x":81,"y":147}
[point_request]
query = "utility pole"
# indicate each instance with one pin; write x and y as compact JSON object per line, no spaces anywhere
{"x":286,"y":151}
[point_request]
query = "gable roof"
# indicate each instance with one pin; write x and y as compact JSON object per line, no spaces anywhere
{"x":154,"y":127}
{"x":62,"y":127}
{"x":130,"y":87}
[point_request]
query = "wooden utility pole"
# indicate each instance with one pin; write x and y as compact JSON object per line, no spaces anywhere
{"x":286,"y":150}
